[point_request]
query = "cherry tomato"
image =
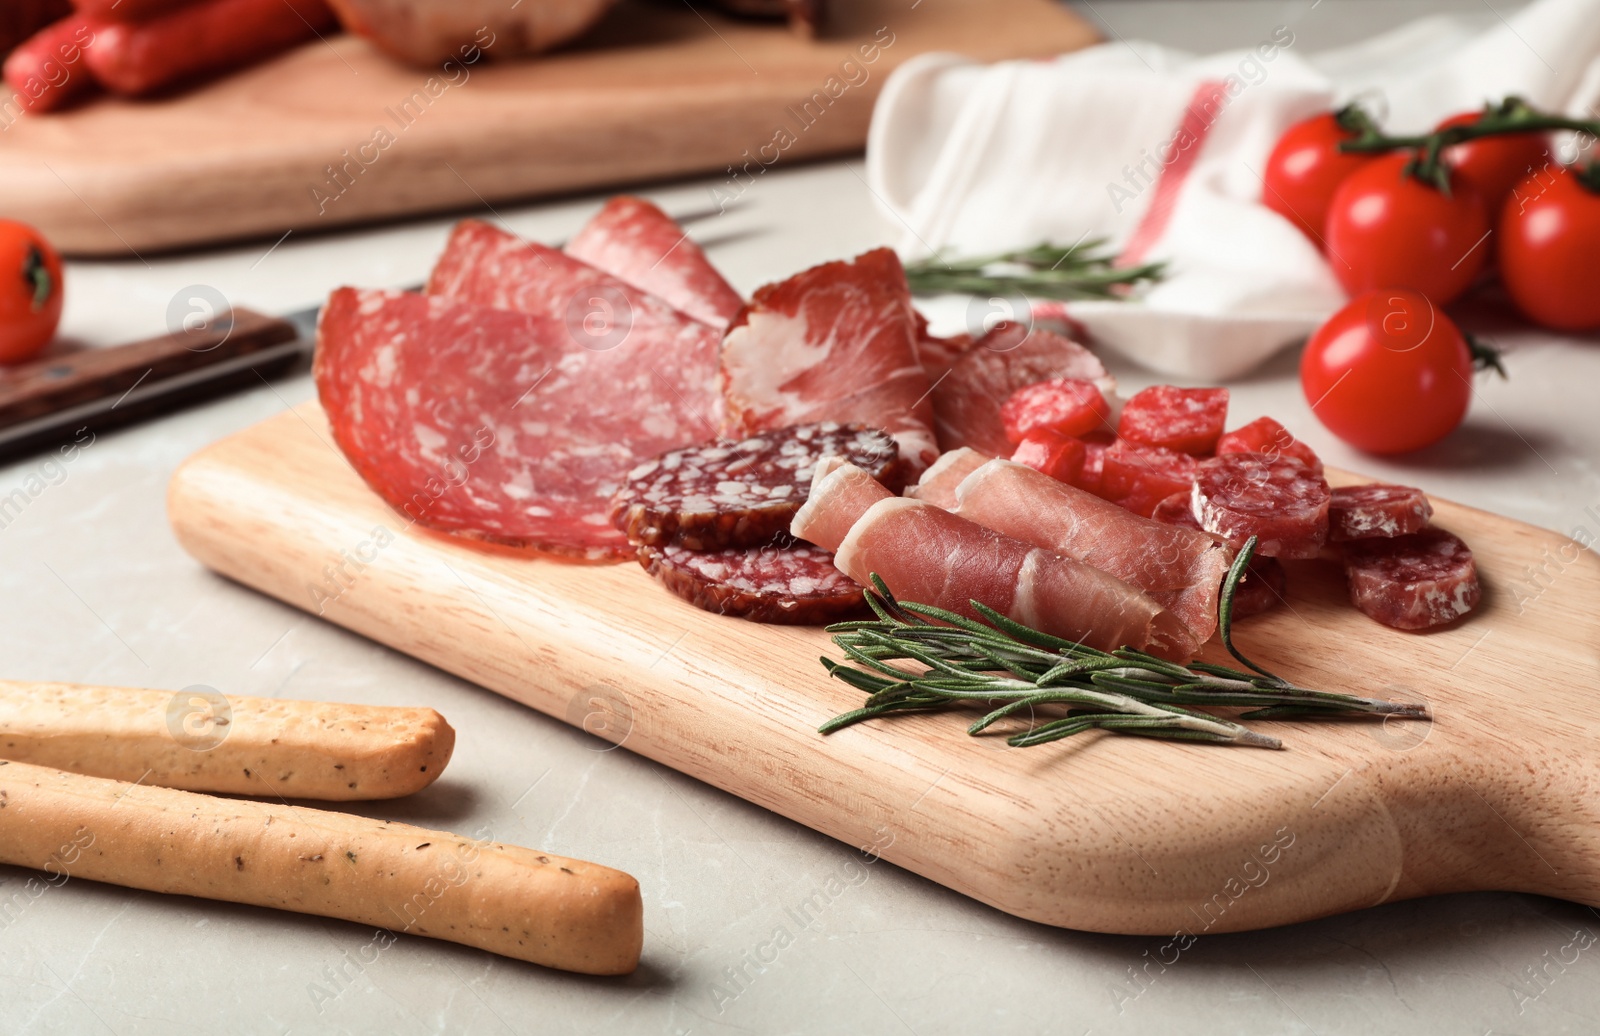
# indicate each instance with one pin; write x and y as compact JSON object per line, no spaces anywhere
{"x":1387,"y":229}
{"x":30,"y":292}
{"x":1495,"y":164}
{"x":1305,"y":168}
{"x":1388,"y":373}
{"x":1550,"y":249}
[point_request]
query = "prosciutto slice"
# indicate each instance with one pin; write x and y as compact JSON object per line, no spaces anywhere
{"x":967,"y":401}
{"x":491,"y":423}
{"x":837,"y":342}
{"x":636,"y":242}
{"x":661,"y":351}
{"x":938,"y":484}
{"x":929,"y":555}
{"x":1181,"y":569}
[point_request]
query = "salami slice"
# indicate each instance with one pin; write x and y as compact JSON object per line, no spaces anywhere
{"x":937,"y":354}
{"x":967,"y":402}
{"x":796,"y":585}
{"x":836,"y":342}
{"x":1182,"y":419}
{"x":742,"y":492}
{"x":1265,"y":580}
{"x":491,"y":423}
{"x":1413,"y":582}
{"x":1277,"y":499}
{"x":1265,"y":435}
{"x":1262,"y":588}
{"x":1140,"y":477}
{"x":1059,"y":456}
{"x":1068,"y":406}
{"x":1377,"y":511}
{"x":636,"y":242}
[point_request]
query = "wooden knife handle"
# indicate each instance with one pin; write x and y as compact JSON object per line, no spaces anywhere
{"x":45,"y":386}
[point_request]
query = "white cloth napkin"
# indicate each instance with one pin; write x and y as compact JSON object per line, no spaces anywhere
{"x":1161,"y":153}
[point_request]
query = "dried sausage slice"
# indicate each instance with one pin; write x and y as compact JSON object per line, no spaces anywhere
{"x":1413,"y":582}
{"x":742,"y":492}
{"x":1276,"y":499}
{"x":796,"y":585}
{"x":1182,"y":419}
{"x":1377,"y":511}
{"x":1265,"y":581}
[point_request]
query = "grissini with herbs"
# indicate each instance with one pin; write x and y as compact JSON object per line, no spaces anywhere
{"x":506,"y":899}
{"x":200,"y":741}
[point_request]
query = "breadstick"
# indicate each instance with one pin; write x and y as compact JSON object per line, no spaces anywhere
{"x":508,"y":900}
{"x":202,"y":741}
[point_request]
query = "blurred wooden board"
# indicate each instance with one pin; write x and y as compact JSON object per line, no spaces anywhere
{"x":657,"y":90}
{"x":1501,"y":790}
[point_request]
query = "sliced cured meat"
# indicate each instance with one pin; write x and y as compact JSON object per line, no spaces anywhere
{"x":1067,"y":406}
{"x":1181,"y":419}
{"x":967,"y":402}
{"x":1264,"y":582}
{"x":1140,"y":477}
{"x":1181,"y":568}
{"x":1264,"y":435}
{"x":1376,"y":510}
{"x":600,"y":314}
{"x":741,"y":492}
{"x":1051,"y":453}
{"x":1177,"y":509}
{"x":1277,"y":499}
{"x":1413,"y":582}
{"x":938,"y":484}
{"x":484,"y":423}
{"x":929,"y":555}
{"x":1262,"y":589}
{"x":636,"y":242}
{"x":836,"y":342}
{"x":840,"y":493}
{"x":795,"y":585}
{"x":937,"y":354}
{"x":1092,"y":478}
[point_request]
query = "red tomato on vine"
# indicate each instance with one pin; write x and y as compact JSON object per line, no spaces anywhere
{"x":30,"y":292}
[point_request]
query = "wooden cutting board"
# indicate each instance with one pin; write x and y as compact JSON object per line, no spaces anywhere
{"x":1501,"y":790}
{"x":335,"y":133}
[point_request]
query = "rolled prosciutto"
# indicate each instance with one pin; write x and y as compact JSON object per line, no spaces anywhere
{"x":929,"y":555}
{"x":938,"y":484}
{"x":1181,"y":569}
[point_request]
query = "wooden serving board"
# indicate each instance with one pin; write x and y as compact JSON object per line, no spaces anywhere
{"x":657,"y":90}
{"x":1501,"y":790}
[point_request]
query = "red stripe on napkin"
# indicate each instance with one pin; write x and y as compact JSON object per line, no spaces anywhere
{"x":1197,"y":122}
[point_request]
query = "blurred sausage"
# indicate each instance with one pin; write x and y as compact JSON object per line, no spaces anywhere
{"x":47,"y":71}
{"x":209,"y":37}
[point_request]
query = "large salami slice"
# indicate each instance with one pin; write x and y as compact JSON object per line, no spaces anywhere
{"x":1377,"y":510}
{"x":492,"y":423}
{"x":794,"y":585}
{"x":636,"y":242}
{"x":742,"y":492}
{"x":1277,"y":499}
{"x":1413,"y":582}
{"x":1188,"y":420}
{"x":836,"y":342}
{"x":968,"y":400}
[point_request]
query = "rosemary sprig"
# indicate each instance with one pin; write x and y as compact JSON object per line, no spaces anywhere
{"x":1012,"y":670}
{"x":1084,"y":271}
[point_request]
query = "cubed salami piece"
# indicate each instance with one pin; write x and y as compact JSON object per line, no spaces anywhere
{"x":742,"y":492}
{"x":1264,"y":435}
{"x":1067,"y":406}
{"x":1093,"y":476}
{"x":1140,"y":477}
{"x":1276,"y":499}
{"x":1377,"y":511}
{"x":1059,"y":456}
{"x":1181,"y":419}
{"x":796,"y":585}
{"x":1413,"y":582}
